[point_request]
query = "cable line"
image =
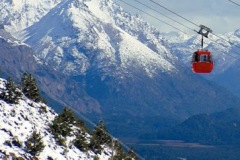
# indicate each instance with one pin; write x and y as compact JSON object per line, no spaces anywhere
{"x":234,"y":3}
{"x":182,"y":23}
{"x":232,"y":44}
{"x":213,"y":41}
{"x":153,"y":17}
{"x":174,"y":13}
{"x":163,"y":14}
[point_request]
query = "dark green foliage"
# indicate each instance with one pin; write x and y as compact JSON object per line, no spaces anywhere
{"x":120,"y":153}
{"x":99,"y":137}
{"x":80,"y":124}
{"x":11,"y":93}
{"x":80,"y":141}
{"x":131,"y":155}
{"x":34,"y":144}
{"x":61,"y":126}
{"x":29,"y":87}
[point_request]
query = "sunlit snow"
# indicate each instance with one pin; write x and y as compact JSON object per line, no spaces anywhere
{"x":18,"y":121}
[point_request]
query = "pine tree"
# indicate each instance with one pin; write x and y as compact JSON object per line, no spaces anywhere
{"x":29,"y":87}
{"x":81,"y":142}
{"x":62,"y":125}
{"x":120,"y":153}
{"x":34,"y":144}
{"x":100,"y":136}
{"x":131,"y":155}
{"x":11,"y":93}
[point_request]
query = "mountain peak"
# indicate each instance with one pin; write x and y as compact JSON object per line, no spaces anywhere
{"x":19,"y":14}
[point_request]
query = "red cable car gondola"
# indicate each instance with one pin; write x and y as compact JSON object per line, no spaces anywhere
{"x":202,"y":62}
{"x":202,"y":59}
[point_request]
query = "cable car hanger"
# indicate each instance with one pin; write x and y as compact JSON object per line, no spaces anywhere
{"x":202,"y":60}
{"x":204,"y":34}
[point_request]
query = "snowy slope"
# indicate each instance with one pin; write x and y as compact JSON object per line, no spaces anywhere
{"x":17,"y":122}
{"x":19,"y":14}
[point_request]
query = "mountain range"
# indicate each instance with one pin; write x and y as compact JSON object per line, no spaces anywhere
{"x":103,"y":62}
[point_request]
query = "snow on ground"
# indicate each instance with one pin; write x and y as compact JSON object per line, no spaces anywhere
{"x":18,"y":121}
{"x":19,"y":14}
{"x":94,"y":6}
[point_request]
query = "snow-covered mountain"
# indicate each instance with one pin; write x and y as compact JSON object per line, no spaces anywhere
{"x":17,"y":123}
{"x":75,"y":30}
{"x":17,"y":15}
{"x":121,"y":62}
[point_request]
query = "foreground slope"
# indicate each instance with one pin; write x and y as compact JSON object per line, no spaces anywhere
{"x":19,"y":121}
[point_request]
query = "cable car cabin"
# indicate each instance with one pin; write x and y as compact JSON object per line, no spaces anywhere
{"x":202,"y":62}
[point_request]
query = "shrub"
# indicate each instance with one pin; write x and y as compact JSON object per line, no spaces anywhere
{"x":10,"y":93}
{"x":34,"y":144}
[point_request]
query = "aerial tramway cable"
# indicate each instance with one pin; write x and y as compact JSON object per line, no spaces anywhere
{"x":158,"y":4}
{"x":213,"y":41}
{"x":153,"y":16}
{"x":174,"y":13}
{"x":234,"y":3}
{"x":163,"y":14}
{"x":177,"y":21}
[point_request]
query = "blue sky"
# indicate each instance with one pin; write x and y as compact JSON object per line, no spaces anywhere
{"x":221,"y":16}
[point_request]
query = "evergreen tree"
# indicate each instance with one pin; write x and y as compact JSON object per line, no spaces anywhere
{"x":10,"y":93}
{"x":131,"y":155}
{"x":34,"y":144}
{"x":81,"y":142}
{"x":29,"y":87}
{"x":99,"y":137}
{"x":120,"y":153}
{"x":62,"y":125}
{"x":80,"y":124}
